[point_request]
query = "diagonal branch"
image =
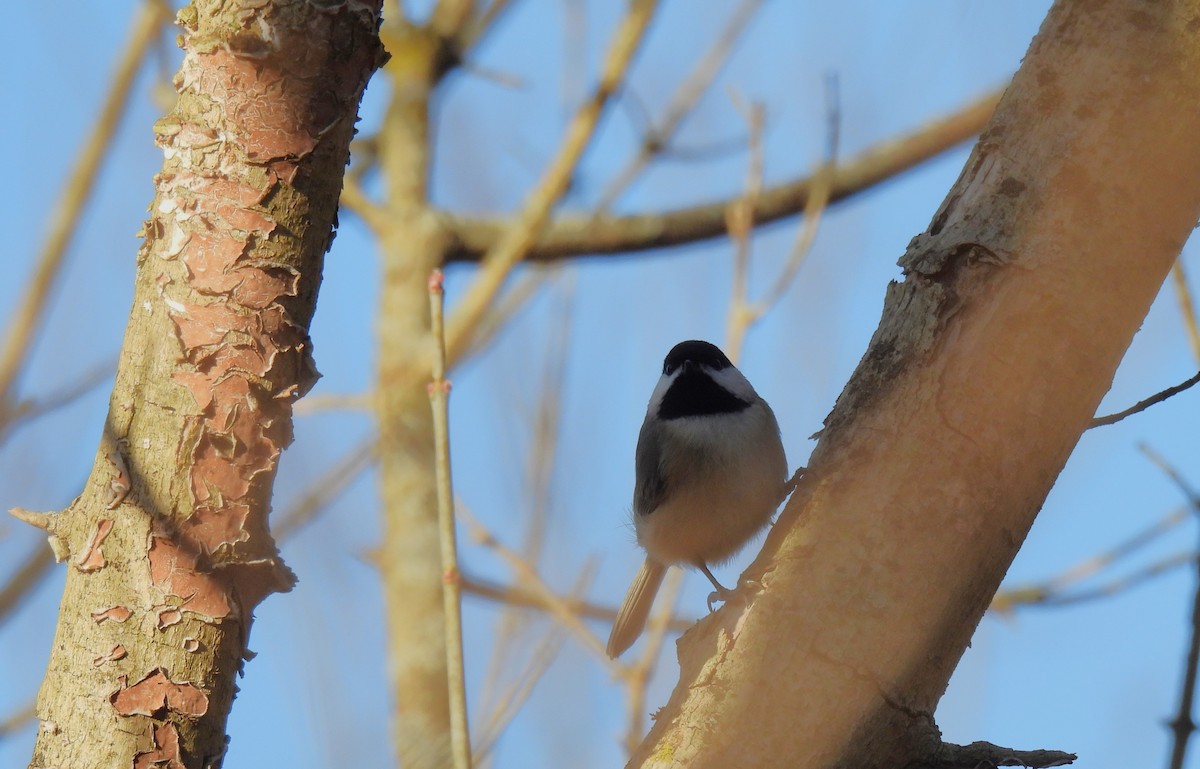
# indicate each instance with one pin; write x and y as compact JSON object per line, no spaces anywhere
{"x":519,"y":236}
{"x":682,"y":102}
{"x":582,"y":234}
{"x":23,"y":325}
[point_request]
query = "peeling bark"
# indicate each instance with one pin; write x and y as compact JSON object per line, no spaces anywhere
{"x":1017,"y":305}
{"x":170,"y":536}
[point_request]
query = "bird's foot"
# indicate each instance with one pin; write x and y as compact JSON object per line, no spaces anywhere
{"x":723,"y":595}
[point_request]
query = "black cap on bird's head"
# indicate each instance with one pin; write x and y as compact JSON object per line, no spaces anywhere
{"x":695,"y":351}
{"x":699,"y":380}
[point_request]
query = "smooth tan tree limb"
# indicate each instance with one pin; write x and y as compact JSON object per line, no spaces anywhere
{"x":413,"y":245}
{"x":992,"y":354}
{"x":584,"y":234}
{"x":167,"y":549}
{"x":410,"y":249}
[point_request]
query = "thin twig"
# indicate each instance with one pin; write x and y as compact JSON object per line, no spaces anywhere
{"x":325,"y":489}
{"x":354,"y":198}
{"x":450,"y":17}
{"x":742,"y":312}
{"x":517,"y":596}
{"x":1052,"y":589}
{"x":18,"y":719}
{"x":29,"y":574}
{"x":586,"y":234}
{"x":540,"y":472}
{"x":539,"y":662}
{"x":511,"y":247}
{"x":502,"y":310}
{"x":67,"y":210}
{"x":477,"y":28}
{"x":814,"y":207}
{"x":682,"y":102}
{"x":1034,"y":597}
{"x":30,"y":409}
{"x":1182,"y":725}
{"x":740,"y":218}
{"x":1187,"y":307}
{"x":1143,"y":405}
{"x":439,"y":391}
{"x":335,"y":402}
{"x":559,"y":607}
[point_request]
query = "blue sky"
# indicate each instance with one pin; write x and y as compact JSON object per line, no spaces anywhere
{"x":1099,"y":678}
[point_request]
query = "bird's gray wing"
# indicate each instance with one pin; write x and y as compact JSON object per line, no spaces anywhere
{"x":650,"y":487}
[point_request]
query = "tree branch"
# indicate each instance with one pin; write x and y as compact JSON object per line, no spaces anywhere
{"x":985,"y":754}
{"x":518,"y":237}
{"x":581,"y":234}
{"x":989,"y":361}
{"x":23,"y":326}
{"x":1145,"y":404}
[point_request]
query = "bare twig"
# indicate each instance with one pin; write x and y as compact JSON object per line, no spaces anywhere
{"x":476,"y":29}
{"x":1033,"y":596}
{"x":23,"y":326}
{"x":559,"y":607}
{"x":585,"y":234}
{"x":29,"y":574}
{"x":1145,"y":404}
{"x":1182,"y":725}
{"x":513,"y":245}
{"x":740,"y":220}
{"x":451,"y":17}
{"x":814,"y":207}
{"x":33,"y":408}
{"x":502,"y":310}
{"x":682,"y":102}
{"x":325,"y":489}
{"x":742,"y":312}
{"x":439,"y":391}
{"x":518,"y":596}
{"x":1187,"y":307}
{"x":540,"y":471}
{"x":539,"y":662}
{"x":1052,"y":590}
{"x":17,"y":719}
{"x":335,"y":402}
{"x":355,"y":199}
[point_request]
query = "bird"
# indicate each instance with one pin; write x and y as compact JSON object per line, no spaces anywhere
{"x":710,"y":471}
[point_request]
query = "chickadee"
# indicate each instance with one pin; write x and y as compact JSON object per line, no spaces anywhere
{"x":710,"y":471}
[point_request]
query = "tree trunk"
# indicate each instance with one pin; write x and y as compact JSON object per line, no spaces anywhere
{"x":168,"y":549}
{"x":410,"y":560}
{"x":1017,"y":305}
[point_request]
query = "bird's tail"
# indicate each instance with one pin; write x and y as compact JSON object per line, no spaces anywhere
{"x":631,"y":619}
